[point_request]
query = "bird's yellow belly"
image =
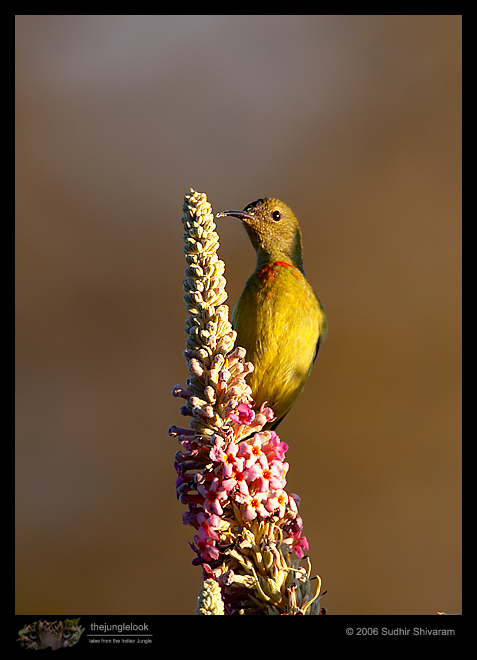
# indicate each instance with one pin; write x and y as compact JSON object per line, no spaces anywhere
{"x":279,"y":322}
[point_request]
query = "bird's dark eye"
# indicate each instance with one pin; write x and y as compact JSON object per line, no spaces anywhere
{"x":276,"y":215}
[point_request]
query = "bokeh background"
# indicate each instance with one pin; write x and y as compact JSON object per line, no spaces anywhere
{"x":355,"y":122}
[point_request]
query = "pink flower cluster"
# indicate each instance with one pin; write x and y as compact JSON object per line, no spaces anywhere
{"x":246,"y":474}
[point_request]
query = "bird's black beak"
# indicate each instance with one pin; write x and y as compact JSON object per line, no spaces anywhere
{"x":243,"y":215}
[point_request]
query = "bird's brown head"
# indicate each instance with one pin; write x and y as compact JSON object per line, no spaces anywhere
{"x":273,"y":230}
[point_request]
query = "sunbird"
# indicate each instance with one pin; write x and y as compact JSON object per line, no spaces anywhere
{"x":278,"y":318}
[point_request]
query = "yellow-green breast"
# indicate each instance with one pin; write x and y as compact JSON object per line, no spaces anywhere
{"x":280,"y":322}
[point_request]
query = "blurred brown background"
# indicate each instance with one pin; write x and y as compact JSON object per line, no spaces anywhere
{"x":355,"y":121}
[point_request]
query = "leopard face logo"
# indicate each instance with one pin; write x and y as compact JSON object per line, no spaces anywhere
{"x":51,"y":634}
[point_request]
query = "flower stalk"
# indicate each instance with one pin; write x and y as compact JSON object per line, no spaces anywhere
{"x":231,"y":471}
